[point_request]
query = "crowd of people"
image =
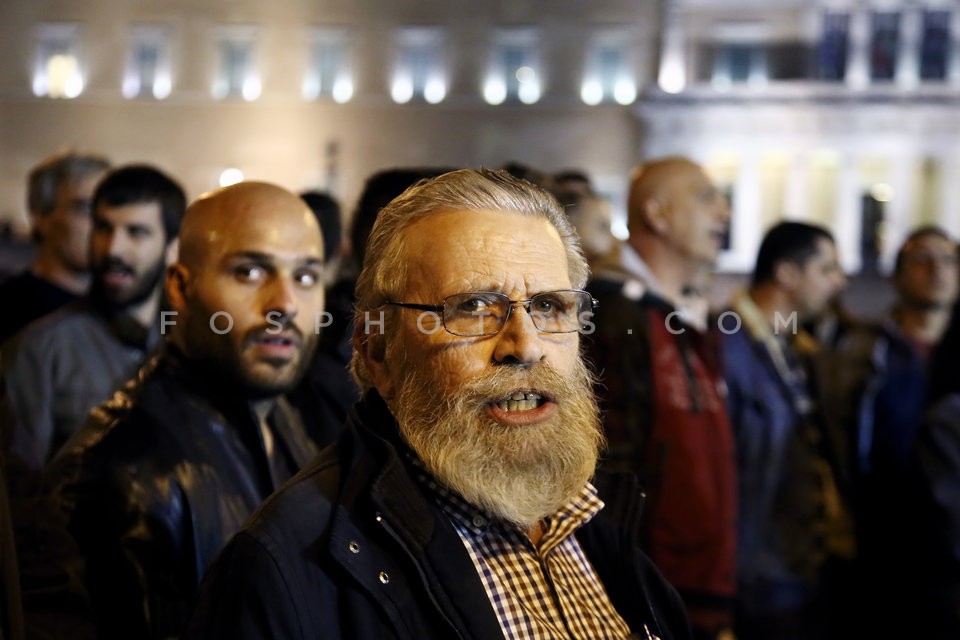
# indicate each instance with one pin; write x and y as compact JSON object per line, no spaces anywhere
{"x":478,"y":414}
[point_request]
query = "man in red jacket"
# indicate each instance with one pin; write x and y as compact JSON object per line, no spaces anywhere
{"x":661,"y":388}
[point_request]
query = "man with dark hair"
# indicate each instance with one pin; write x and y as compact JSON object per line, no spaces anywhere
{"x":61,"y":366}
{"x":925,"y":277}
{"x":327,"y":211}
{"x":459,"y":500}
{"x":875,"y":385}
{"x":792,"y":519}
{"x":58,"y":200}
{"x":160,"y":476}
{"x":661,"y":389}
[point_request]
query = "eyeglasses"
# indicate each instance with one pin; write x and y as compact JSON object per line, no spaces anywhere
{"x":484,"y":313}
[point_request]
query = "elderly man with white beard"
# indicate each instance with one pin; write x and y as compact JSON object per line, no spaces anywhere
{"x":461,"y":500}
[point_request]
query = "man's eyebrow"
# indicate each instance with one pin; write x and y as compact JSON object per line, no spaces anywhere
{"x":259,"y":256}
{"x":254,"y":256}
{"x":310,"y":261}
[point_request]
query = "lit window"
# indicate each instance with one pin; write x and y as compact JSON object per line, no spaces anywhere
{"x":609,"y":74}
{"x":883,"y":45}
{"x":419,"y":71}
{"x":832,"y":53}
{"x":739,"y":63}
{"x":328,"y":73}
{"x":147,"y":73}
{"x":57,"y":72}
{"x":237,"y":75}
{"x":935,"y":47}
{"x":514,"y":68}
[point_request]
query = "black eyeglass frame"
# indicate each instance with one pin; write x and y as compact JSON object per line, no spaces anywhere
{"x":525,"y":303}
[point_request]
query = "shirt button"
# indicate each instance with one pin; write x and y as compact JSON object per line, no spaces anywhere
{"x":384,"y":577}
{"x":354,"y":547}
{"x":479,"y":521}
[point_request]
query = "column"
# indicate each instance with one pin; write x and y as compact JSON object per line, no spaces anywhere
{"x":672,"y":75}
{"x":954,"y":68}
{"x":908,"y":52}
{"x":847,"y":224}
{"x":747,"y":218}
{"x":899,"y":214}
{"x":797,"y":205}
{"x":949,"y":217}
{"x":858,"y":56}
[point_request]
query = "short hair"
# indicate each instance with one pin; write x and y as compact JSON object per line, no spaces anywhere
{"x":919,"y":232}
{"x":794,"y":242}
{"x":327,"y":212}
{"x":44,"y":179}
{"x":572,"y":175}
{"x":473,"y":190}
{"x":142,"y":183}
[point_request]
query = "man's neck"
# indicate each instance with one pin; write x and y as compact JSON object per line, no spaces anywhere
{"x":772,"y":303}
{"x":145,"y":313}
{"x":675,"y":274}
{"x":921,"y":324}
{"x":535,"y":533}
{"x":46,"y":268}
{"x":262,"y":408}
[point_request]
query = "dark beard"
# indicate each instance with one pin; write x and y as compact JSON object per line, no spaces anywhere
{"x":142,"y":291}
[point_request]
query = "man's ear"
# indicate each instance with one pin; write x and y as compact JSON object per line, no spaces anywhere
{"x":654,"y":216}
{"x":38,"y":226}
{"x":787,"y":275}
{"x":371,"y":344}
{"x":176,"y":285}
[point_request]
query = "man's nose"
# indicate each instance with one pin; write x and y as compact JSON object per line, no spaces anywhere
{"x":281,"y":297}
{"x":519,"y":342}
{"x":117,"y":244}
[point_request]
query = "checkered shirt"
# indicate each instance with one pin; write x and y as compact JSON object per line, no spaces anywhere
{"x":545,"y":592}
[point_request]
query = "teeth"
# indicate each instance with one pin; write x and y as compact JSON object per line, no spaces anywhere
{"x":520,"y":401}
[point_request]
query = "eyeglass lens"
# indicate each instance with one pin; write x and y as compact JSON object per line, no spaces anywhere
{"x":485,"y":313}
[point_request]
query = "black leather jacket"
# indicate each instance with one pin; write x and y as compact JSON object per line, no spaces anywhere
{"x":157,"y":481}
{"x":353,"y":549}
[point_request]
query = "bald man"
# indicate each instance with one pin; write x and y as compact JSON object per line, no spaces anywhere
{"x":661,"y":388}
{"x":164,"y":473}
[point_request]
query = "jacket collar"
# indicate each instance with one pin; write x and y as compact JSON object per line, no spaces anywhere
{"x":374,"y":467}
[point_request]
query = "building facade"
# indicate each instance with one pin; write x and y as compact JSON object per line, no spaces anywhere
{"x":842,"y":112}
{"x":321,"y":93}
{"x":837,"y":111}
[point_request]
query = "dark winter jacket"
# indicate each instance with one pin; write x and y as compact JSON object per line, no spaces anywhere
{"x":352,"y":548}
{"x":156,"y":482}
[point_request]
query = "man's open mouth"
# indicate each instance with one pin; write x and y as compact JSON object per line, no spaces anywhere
{"x":521,"y":401}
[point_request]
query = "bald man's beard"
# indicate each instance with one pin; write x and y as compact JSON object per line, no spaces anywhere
{"x":518,"y":473}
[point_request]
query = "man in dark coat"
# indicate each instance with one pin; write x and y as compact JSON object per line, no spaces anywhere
{"x":164,"y":473}
{"x":460,"y":501}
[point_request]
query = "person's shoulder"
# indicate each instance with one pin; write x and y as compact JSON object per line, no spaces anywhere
{"x":124,"y":429}
{"x":16,"y":284}
{"x":59,"y":327}
{"x":303,"y":504}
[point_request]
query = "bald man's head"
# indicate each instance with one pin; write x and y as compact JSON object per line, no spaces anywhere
{"x":675,"y":209}
{"x":248,"y":286}
{"x":658,"y":180}
{"x":217,"y":212}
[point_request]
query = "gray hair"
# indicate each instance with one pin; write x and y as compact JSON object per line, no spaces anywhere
{"x":474,"y":190}
{"x":45,"y":178}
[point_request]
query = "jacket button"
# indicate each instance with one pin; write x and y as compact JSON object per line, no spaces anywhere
{"x":354,"y":547}
{"x":384,"y":577}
